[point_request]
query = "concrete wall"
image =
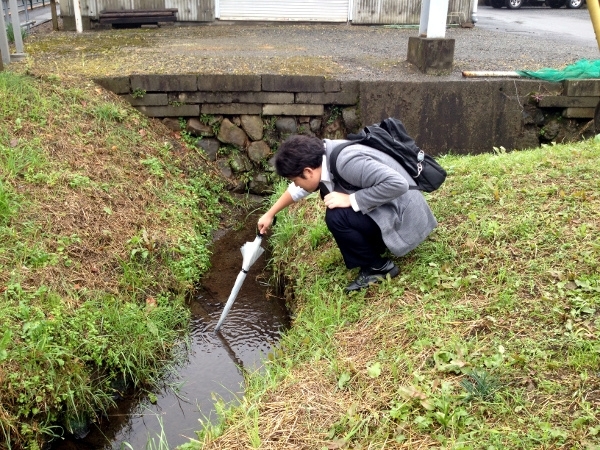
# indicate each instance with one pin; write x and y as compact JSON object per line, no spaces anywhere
{"x":466,"y":116}
{"x":239,"y":120}
{"x":469,"y":116}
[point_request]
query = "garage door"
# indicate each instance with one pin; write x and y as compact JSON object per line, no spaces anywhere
{"x":299,"y":10}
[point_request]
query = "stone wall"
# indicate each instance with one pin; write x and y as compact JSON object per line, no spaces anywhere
{"x":239,"y":120}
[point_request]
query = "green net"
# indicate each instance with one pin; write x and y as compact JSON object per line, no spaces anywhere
{"x":584,"y":68}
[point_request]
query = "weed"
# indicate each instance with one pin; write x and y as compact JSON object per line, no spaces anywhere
{"x":480,"y":385}
{"x":138,"y":93}
{"x":10,"y":33}
{"x":334,"y":114}
{"x":108,"y":112}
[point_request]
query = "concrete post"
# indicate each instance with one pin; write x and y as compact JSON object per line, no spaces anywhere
{"x":4,"y":48}
{"x":16,"y":25}
{"x":431,"y":52}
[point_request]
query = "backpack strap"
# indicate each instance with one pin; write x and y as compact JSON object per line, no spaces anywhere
{"x":336,"y":175}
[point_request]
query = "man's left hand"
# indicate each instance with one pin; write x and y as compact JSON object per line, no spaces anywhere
{"x":337,"y":200}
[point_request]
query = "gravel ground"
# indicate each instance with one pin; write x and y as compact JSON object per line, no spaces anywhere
{"x":335,"y":50}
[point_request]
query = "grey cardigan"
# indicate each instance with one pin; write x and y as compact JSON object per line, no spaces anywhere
{"x":403,"y":215}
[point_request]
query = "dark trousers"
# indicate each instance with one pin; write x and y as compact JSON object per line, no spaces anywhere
{"x":357,"y":236}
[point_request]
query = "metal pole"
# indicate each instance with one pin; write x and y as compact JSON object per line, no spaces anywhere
{"x":54,"y":15}
{"x":4,"y":48}
{"x":594,"y":10}
{"x":474,"y":14}
{"x":16,"y":25}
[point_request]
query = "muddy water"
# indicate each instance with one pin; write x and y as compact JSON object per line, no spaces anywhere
{"x":212,"y":365}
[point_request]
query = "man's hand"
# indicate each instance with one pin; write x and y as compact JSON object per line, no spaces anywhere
{"x":337,"y":200}
{"x":264,"y":223}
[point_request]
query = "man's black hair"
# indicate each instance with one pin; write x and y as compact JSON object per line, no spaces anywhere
{"x":297,"y":153}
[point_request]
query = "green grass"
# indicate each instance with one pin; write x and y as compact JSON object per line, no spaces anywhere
{"x":488,"y":339}
{"x":105,"y":224}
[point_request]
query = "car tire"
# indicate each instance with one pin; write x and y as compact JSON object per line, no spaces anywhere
{"x":514,"y":4}
{"x":497,"y":3}
{"x":574,"y":4}
{"x":555,"y":3}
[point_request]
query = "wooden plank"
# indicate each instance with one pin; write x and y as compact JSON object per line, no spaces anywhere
{"x":134,"y":14}
{"x":138,"y":20}
{"x":138,"y":10}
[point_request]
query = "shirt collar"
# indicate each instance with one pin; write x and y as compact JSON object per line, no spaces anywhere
{"x":325,"y":175}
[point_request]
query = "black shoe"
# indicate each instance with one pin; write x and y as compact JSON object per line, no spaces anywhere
{"x":369,"y":276}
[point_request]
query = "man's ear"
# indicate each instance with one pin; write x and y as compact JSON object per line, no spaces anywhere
{"x":306,"y":173}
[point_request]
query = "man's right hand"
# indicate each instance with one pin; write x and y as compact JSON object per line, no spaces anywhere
{"x":264,"y":223}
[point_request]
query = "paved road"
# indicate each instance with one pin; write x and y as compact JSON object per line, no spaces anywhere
{"x":39,"y":14}
{"x":573,"y":26}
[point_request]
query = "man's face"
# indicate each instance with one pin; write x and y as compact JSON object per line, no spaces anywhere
{"x":309,"y":180}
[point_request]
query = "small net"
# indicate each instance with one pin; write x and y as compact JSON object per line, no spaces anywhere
{"x":584,"y":68}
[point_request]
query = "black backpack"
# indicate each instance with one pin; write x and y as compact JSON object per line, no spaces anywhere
{"x":391,"y":137}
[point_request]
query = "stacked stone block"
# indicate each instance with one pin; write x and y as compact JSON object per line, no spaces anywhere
{"x":250,"y":113}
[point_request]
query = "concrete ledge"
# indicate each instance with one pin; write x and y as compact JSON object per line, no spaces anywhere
{"x":230,"y":108}
{"x":292,"y":83}
{"x":170,"y":111}
{"x":332,"y":86}
{"x":579,"y":113}
{"x":233,"y":97}
{"x":148,"y":100}
{"x":582,"y":88}
{"x":293,"y":110}
{"x":201,"y":97}
{"x":330,"y":98}
{"x":164,"y":83}
{"x":563,"y":101}
{"x":431,"y":56}
{"x":229,"y":83}
{"x":118,"y":85}
{"x":264,"y":97}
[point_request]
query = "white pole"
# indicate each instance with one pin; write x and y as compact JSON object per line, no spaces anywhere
{"x":434,"y":13}
{"x":424,"y":21}
{"x":77,"y":11}
{"x":4,"y":48}
{"x":474,"y":15}
{"x":16,"y":25}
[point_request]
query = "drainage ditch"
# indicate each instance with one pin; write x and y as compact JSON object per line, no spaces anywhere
{"x":212,"y":366}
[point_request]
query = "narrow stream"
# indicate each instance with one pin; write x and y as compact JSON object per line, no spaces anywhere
{"x":211,"y":367}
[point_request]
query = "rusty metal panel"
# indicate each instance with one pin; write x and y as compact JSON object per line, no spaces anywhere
{"x":404,"y":12}
{"x":290,"y":10}
{"x":193,"y":10}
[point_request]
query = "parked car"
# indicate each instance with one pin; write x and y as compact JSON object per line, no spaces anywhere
{"x":516,"y":4}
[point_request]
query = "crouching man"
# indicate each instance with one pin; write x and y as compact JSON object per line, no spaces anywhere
{"x":382,"y":213}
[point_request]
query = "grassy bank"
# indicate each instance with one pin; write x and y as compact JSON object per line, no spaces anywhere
{"x":488,"y":339}
{"x":104,"y":225}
